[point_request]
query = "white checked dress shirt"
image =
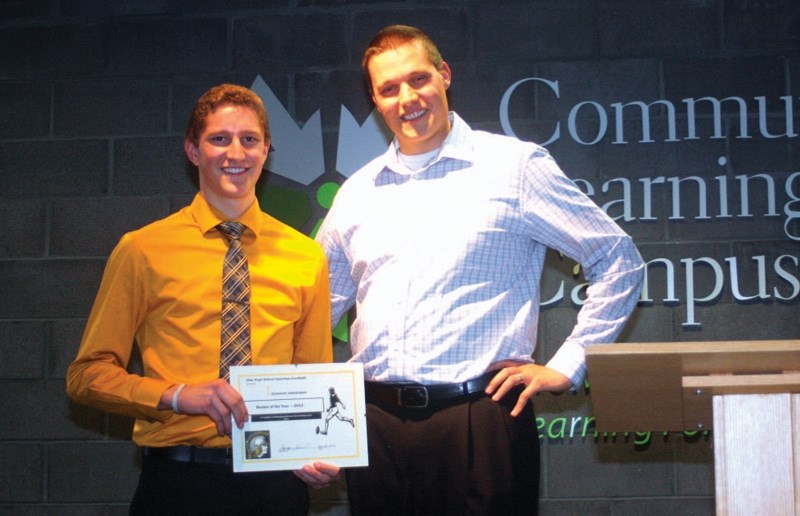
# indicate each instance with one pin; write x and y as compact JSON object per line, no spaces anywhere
{"x":444,"y":264}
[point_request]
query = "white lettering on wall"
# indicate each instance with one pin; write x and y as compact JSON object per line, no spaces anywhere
{"x":628,"y":201}
{"x":594,"y":114}
{"x":711,"y":274}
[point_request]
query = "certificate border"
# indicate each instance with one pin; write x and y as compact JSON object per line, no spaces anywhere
{"x":355,"y":381}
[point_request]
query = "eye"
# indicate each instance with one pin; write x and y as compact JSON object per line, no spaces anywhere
{"x":218,"y":139}
{"x":250,"y":141}
{"x":388,"y":90}
{"x":420,"y":80}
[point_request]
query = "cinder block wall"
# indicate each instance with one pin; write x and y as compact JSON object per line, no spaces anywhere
{"x":93,"y":100}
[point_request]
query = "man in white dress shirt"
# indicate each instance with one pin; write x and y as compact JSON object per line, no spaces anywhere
{"x":440,"y":245}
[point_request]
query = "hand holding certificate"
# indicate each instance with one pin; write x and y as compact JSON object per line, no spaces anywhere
{"x":299,"y":414}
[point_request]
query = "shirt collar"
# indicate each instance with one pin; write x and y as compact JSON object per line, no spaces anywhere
{"x":207,"y":217}
{"x":454,"y":147}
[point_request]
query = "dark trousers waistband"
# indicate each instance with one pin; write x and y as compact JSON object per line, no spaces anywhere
{"x":419,"y":396}
{"x":195,"y":454}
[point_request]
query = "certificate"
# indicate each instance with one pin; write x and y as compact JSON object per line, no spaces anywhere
{"x":299,"y":414}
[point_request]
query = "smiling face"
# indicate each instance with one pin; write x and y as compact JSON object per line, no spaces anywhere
{"x":411,"y":94}
{"x":229,"y":153}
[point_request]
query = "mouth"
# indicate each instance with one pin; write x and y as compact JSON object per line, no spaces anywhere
{"x":413,"y":116}
{"x":234,"y":171}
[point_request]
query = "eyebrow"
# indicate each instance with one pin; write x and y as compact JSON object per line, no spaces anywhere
{"x":409,"y":75}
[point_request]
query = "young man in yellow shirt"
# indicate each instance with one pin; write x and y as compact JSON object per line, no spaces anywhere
{"x":162,"y":289}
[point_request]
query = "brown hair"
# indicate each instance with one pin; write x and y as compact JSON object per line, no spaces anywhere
{"x":224,"y":94}
{"x":394,"y":36}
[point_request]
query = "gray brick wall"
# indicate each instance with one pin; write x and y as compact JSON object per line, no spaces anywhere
{"x":94,"y":98}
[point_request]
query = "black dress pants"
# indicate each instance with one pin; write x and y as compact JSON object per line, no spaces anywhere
{"x":170,"y":487}
{"x":472,"y":458}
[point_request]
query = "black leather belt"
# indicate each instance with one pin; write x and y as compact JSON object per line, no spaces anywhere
{"x":418,"y":396}
{"x":194,"y":454}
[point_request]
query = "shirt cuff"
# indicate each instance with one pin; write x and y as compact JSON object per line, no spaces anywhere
{"x":570,"y":360}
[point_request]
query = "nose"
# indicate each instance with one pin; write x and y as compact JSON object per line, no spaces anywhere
{"x":235,"y":150}
{"x":407,"y":93}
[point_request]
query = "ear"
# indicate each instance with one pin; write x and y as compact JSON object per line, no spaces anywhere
{"x":192,"y":152}
{"x":447,"y":75}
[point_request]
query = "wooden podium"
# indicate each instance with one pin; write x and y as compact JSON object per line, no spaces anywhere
{"x":747,"y":391}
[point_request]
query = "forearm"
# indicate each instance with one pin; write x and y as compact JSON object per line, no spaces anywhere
{"x":611,"y":297}
{"x":109,"y":387}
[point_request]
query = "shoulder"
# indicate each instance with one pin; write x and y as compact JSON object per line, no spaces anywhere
{"x":501,"y":145}
{"x":353,"y":191}
{"x":507,"y":159}
{"x":275,"y":233}
{"x":157,"y":233}
{"x":365,"y":176}
{"x":464,"y":136}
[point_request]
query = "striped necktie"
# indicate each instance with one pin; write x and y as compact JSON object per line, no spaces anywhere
{"x":235,"y":344}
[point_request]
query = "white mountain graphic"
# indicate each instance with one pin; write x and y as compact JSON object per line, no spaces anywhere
{"x":298,"y":152}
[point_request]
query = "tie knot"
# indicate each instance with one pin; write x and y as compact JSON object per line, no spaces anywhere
{"x":231,"y":230}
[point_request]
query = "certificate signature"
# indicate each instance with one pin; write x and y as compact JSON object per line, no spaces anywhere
{"x":299,"y":414}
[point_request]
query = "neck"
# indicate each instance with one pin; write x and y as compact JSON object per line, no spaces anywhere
{"x":231,"y":209}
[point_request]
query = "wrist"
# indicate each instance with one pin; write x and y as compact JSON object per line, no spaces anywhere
{"x":175,"y":395}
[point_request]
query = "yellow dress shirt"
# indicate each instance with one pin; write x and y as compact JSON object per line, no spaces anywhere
{"x":162,"y":288}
